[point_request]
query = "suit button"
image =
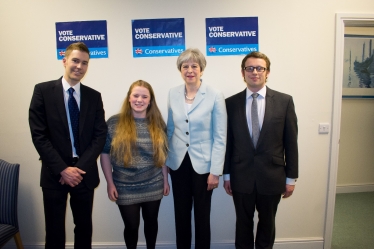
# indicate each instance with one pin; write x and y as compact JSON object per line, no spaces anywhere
{"x":186,"y":120}
{"x":187,"y":145}
{"x":187,"y":133}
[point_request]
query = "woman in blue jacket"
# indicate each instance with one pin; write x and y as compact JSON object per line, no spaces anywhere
{"x":196,"y":129}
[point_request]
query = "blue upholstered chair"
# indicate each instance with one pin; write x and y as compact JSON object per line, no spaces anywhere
{"x":9,"y":174}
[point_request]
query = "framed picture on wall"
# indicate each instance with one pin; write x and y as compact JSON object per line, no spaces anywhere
{"x":358,"y":71}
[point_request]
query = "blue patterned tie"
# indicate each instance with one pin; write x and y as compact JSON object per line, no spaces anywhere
{"x":254,"y":118}
{"x":74,"y":119}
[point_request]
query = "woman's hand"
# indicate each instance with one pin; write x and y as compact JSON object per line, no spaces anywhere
{"x":213,"y":182}
{"x":166,"y":188}
{"x":165,"y":171}
{"x":107,"y":170}
{"x":112,"y":192}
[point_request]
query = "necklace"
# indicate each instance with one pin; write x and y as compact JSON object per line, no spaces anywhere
{"x":185,"y":93}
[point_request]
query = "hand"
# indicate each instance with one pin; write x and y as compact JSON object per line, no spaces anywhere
{"x":61,"y":181}
{"x":71,"y":176}
{"x":166,"y":188}
{"x":289,"y":191}
{"x":112,"y":192}
{"x":227,"y":187}
{"x":213,"y":181}
{"x":165,"y":172}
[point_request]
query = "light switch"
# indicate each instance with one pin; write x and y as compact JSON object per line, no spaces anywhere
{"x":324,"y":128}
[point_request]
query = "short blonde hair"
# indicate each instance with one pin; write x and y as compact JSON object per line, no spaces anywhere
{"x":192,"y":54}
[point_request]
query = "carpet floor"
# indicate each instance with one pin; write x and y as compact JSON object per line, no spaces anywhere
{"x":354,"y":221}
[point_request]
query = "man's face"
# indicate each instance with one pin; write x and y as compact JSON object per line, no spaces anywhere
{"x":255,"y":80}
{"x":76,"y":65}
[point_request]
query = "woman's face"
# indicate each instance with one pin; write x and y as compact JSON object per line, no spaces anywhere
{"x":139,"y":101}
{"x":191,"y":72}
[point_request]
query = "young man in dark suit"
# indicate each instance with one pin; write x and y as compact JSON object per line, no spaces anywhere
{"x":261,"y":163}
{"x":68,"y":130}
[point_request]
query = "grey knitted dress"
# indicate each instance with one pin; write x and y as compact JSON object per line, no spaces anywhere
{"x":141,"y":181}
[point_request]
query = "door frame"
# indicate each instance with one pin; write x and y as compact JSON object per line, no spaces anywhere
{"x":342,"y":20}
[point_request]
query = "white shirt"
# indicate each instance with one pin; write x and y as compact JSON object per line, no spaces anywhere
{"x":77,"y":96}
{"x":260,"y":107}
{"x":188,"y":107}
{"x":261,"y":104}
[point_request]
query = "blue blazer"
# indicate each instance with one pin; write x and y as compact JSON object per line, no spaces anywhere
{"x":201,"y":131}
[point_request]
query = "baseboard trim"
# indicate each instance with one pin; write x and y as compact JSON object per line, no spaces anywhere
{"x":341,"y":189}
{"x":299,"y":243}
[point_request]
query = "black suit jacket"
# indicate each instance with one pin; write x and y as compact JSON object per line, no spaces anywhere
{"x":50,"y":132}
{"x":276,"y":155}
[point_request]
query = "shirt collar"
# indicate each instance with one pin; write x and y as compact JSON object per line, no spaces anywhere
{"x":262,"y":92}
{"x":66,"y":86}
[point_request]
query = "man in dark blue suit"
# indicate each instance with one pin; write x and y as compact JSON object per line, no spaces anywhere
{"x":261,"y":163}
{"x":68,"y":130}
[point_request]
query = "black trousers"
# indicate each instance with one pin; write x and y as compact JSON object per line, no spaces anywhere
{"x":266,"y":206}
{"x":81,"y":202}
{"x":190,"y":189}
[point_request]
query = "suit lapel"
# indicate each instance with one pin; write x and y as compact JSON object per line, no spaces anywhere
{"x":269,"y":112}
{"x":179,"y":99}
{"x":200,"y":96}
{"x":58,"y":93}
{"x":243,"y":111}
{"x":241,"y":122}
{"x":83,"y":107}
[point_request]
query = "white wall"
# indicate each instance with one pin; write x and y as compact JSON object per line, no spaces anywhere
{"x":356,"y":168}
{"x":298,"y":36}
{"x":356,"y":157}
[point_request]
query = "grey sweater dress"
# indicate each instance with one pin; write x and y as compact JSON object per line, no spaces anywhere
{"x":141,"y":181}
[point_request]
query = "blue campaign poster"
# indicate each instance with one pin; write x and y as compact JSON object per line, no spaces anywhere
{"x":92,"y":33}
{"x":158,"y":37}
{"x":231,"y":35}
